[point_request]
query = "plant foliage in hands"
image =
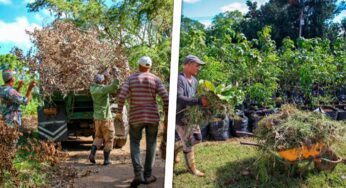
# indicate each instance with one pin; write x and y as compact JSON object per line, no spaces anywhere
{"x":221,"y":101}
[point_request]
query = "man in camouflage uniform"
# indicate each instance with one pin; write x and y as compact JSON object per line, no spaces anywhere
{"x":11,"y":99}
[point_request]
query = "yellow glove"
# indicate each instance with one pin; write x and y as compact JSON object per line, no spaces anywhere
{"x":119,"y":117}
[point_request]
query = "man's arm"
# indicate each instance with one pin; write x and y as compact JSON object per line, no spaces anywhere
{"x":107,"y":89}
{"x":181,"y":99}
{"x":161,"y":90}
{"x":123,"y":95}
{"x":15,"y":96}
{"x":29,"y":91}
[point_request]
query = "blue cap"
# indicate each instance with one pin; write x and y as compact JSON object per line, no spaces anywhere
{"x":191,"y":59}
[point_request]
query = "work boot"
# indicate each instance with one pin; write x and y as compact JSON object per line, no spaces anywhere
{"x":149,"y":180}
{"x":106,"y":157}
{"x":139,"y":178}
{"x":191,"y":164}
{"x":92,"y":154}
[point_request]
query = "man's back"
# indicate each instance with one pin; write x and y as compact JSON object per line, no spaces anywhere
{"x":141,"y":88}
{"x":100,"y":96}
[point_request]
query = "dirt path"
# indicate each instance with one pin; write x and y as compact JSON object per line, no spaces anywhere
{"x":77,"y":171}
{"x":118,"y":174}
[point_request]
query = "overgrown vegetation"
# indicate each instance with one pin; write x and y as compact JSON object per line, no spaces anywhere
{"x":265,"y":57}
{"x":26,"y":160}
{"x":306,"y":71}
{"x":292,"y":128}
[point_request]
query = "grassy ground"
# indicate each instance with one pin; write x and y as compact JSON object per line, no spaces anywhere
{"x":30,"y":173}
{"x":229,"y":164}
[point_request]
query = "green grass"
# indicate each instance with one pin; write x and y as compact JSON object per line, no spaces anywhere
{"x":224,"y":163}
{"x":30,"y":173}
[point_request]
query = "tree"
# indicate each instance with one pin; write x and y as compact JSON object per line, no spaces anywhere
{"x":343,"y":24}
{"x":284,"y":18}
{"x":141,"y":27}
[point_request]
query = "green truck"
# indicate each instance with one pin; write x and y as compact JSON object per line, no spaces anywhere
{"x":63,"y":116}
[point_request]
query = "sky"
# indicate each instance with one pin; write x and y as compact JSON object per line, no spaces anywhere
{"x":15,"y":19}
{"x":205,"y":10}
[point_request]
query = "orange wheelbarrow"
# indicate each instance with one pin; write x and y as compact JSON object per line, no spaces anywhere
{"x":323,"y":157}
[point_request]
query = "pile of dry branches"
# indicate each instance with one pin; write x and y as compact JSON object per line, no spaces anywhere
{"x":67,"y":58}
{"x":43,"y":151}
{"x":8,"y":139}
{"x":293,"y":128}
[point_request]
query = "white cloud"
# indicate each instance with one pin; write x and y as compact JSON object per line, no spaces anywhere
{"x":191,"y":1}
{"x":14,"y":32}
{"x":29,"y":1}
{"x":339,"y":17}
{"x":5,"y":2}
{"x":206,"y":23}
{"x":235,"y":6}
{"x":261,"y":2}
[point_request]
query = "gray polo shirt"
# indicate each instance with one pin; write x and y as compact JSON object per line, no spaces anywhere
{"x":186,"y":92}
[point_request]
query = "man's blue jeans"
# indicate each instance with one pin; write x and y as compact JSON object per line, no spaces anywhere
{"x":135,"y":138}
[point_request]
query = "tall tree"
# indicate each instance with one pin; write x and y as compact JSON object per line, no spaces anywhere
{"x":343,"y":24}
{"x":142,"y":27}
{"x":286,"y":17}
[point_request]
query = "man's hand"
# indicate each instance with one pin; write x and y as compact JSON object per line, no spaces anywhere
{"x":20,"y":85}
{"x":119,"y":117}
{"x":32,"y":84}
{"x":204,"y":101}
{"x":28,"y":92}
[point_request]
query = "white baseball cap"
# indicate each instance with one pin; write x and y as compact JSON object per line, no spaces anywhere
{"x":145,"y":61}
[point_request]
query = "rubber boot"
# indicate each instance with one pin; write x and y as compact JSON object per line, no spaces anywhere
{"x":92,"y":154}
{"x":106,"y":157}
{"x":191,"y":164}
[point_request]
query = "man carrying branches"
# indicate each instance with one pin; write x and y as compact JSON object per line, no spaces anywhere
{"x":187,"y":88}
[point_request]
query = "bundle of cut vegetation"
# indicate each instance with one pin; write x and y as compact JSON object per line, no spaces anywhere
{"x":67,"y":58}
{"x":8,"y":139}
{"x":217,"y":105}
{"x":292,"y":128}
{"x":42,"y":151}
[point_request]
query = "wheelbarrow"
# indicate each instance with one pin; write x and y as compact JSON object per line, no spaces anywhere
{"x":323,"y":157}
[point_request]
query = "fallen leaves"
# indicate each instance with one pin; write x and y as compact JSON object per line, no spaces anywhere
{"x":8,"y":139}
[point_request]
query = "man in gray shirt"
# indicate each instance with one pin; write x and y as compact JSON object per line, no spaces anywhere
{"x":187,"y":88}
